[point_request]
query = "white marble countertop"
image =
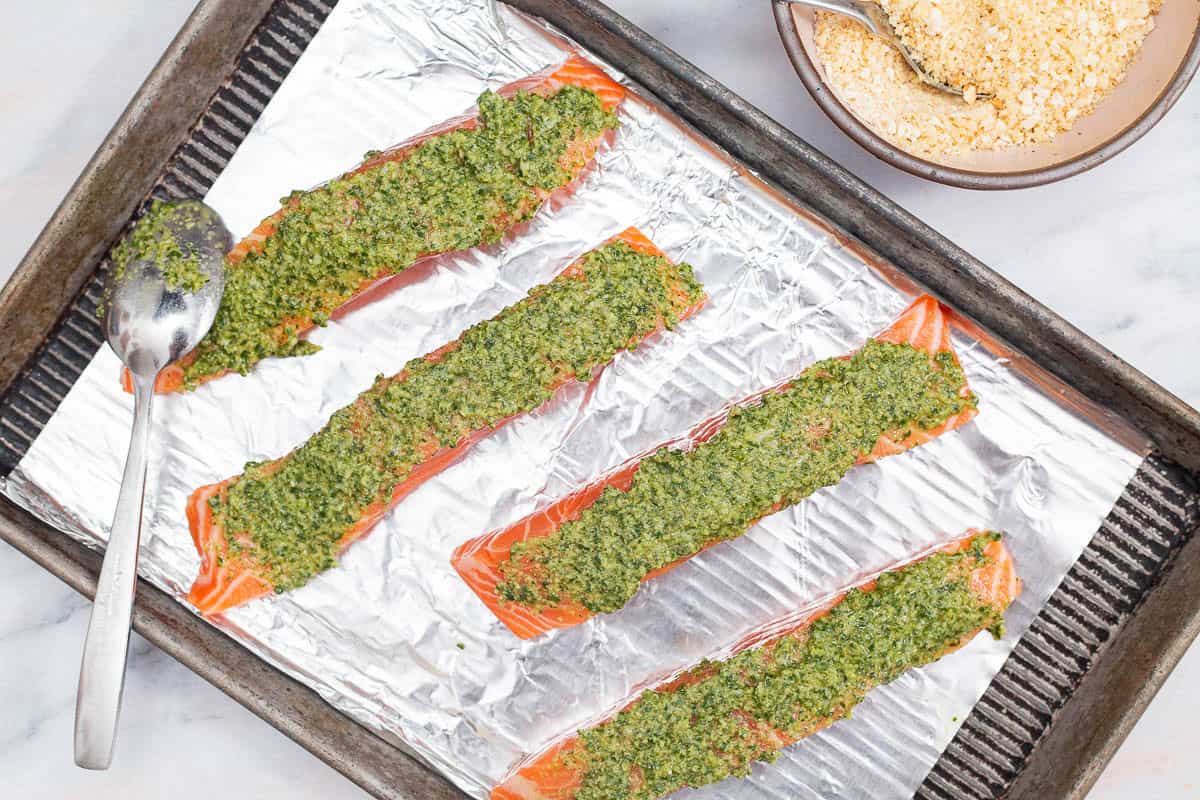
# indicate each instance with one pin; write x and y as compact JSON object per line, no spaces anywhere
{"x":1114,"y":250}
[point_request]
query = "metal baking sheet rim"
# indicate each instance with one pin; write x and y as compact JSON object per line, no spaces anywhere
{"x":784,"y":292}
{"x":78,"y":573}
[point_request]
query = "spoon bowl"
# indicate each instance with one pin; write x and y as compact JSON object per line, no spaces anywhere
{"x":148,"y":321}
{"x":161,"y":299}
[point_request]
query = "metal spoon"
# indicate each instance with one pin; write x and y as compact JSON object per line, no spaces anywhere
{"x":149,"y":324}
{"x":876,"y":20}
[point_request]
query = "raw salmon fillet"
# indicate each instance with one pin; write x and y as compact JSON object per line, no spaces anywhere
{"x":481,"y":561}
{"x":575,"y":72}
{"x":237,"y":567}
{"x":945,"y":599}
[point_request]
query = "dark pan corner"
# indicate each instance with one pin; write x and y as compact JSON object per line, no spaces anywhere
{"x":1067,"y":696}
{"x":381,"y":768}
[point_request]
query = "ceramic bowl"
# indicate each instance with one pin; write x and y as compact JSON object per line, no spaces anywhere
{"x":1158,"y":76}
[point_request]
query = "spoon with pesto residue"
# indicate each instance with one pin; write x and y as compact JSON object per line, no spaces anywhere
{"x":162,"y":295}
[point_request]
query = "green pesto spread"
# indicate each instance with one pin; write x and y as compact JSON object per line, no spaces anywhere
{"x":457,"y":190}
{"x":769,"y":455}
{"x":152,"y":240}
{"x":702,"y":733}
{"x":288,"y":517}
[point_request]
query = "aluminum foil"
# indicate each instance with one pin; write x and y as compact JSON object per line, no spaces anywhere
{"x":393,"y":637}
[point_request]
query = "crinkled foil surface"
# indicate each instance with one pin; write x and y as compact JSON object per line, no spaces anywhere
{"x":393,"y":637}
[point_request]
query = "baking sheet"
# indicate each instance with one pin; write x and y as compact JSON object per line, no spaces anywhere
{"x":379,"y":637}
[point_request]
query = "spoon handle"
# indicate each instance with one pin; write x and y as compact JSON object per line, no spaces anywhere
{"x":859,"y":10}
{"x":102,"y":675}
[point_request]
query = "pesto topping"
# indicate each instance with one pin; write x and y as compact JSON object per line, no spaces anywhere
{"x":459,"y":189}
{"x":287,"y":517}
{"x":152,"y":239}
{"x":725,"y":719}
{"x":769,"y":455}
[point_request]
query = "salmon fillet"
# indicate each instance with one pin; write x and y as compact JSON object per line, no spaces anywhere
{"x":322,"y":301}
{"x":409,"y":427}
{"x":487,"y":562}
{"x":779,"y":687}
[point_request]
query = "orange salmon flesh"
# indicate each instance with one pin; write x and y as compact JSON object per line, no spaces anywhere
{"x":576,"y":71}
{"x":556,"y":775}
{"x":225,"y":582}
{"x":923,"y":325}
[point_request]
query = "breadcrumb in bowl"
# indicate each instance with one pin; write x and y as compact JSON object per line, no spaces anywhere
{"x":1068,"y":105}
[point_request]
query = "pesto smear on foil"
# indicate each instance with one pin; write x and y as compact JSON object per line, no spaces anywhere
{"x":769,"y":455}
{"x":289,"y":517}
{"x":723,"y":716}
{"x":456,"y":190}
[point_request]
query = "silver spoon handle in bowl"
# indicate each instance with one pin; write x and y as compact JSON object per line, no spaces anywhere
{"x":875,"y":19}
{"x":102,"y":674}
{"x":864,"y":12}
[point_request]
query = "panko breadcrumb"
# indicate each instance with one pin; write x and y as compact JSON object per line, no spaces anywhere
{"x":1042,"y":63}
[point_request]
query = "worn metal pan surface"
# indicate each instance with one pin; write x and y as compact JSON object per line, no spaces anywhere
{"x":1074,"y":685}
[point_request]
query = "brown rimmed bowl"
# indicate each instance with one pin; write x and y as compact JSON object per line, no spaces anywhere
{"x":1160,"y":73}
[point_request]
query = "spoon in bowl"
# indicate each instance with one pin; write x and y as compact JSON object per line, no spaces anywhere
{"x":872,"y":16}
{"x":161,"y":298}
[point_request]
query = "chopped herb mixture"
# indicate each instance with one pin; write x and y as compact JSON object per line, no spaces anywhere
{"x":769,"y":455}
{"x":152,"y":240}
{"x":457,"y":190}
{"x":288,"y":517}
{"x":727,"y":715}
